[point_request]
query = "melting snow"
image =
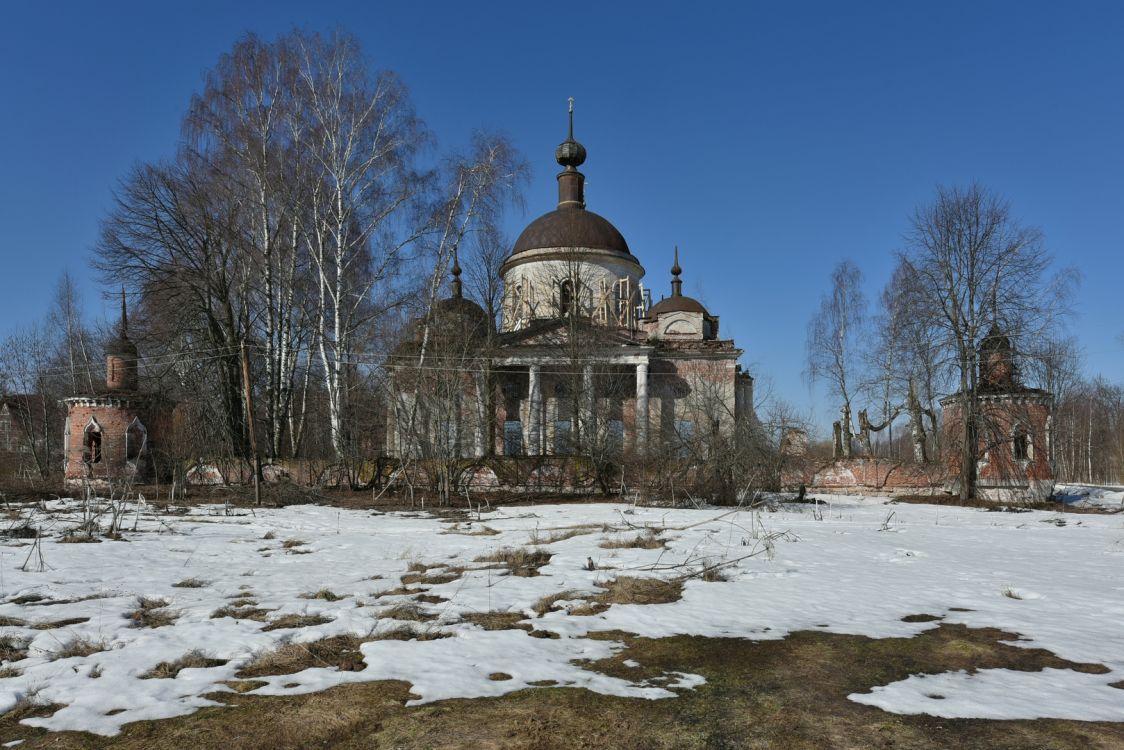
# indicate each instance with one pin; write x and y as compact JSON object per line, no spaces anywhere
{"x":856,"y":571}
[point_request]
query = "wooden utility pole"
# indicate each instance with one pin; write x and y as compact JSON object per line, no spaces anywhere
{"x":250,"y":423}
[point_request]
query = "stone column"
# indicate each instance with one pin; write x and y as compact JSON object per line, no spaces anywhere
{"x":534,"y":429}
{"x":641,"y":406}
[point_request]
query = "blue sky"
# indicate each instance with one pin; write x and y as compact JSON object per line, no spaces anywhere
{"x":768,"y":141}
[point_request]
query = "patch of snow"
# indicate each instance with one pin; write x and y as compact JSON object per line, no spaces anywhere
{"x":831,"y":569}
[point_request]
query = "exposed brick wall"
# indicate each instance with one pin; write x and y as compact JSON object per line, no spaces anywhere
{"x":867,"y":476}
{"x":113,"y":416}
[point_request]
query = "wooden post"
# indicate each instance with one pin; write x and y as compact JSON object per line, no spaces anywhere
{"x":250,"y":423}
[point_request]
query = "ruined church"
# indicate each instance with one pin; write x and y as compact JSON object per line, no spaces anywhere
{"x":582,"y":361}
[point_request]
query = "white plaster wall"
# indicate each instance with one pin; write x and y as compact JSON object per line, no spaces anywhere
{"x":544,"y":269}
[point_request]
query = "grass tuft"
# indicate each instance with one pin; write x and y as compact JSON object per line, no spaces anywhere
{"x":241,"y":613}
{"x":191,"y":660}
{"x":523,"y":561}
{"x":150,"y":613}
{"x":78,"y":646}
{"x":190,"y":583}
{"x":285,"y":622}
{"x":13,"y":648}
{"x":325,"y":594}
{"x":645,"y":540}
{"x":550,"y":536}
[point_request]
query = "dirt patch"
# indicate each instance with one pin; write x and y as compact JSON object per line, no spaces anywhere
{"x":921,"y":618}
{"x":788,"y":694}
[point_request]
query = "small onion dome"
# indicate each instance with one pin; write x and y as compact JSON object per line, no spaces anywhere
{"x":570,"y":153}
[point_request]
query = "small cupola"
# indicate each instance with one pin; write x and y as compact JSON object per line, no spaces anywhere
{"x":997,"y":361}
{"x":679,"y":316}
{"x":121,"y":356}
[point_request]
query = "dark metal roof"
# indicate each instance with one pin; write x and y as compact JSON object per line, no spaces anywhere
{"x":571,"y":227}
{"x":677,"y":304}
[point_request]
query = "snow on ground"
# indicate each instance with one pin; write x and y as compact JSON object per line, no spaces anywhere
{"x":854,"y":566}
{"x":1090,"y":495}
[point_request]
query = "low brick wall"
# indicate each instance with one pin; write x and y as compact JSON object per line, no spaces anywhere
{"x":868,"y":476}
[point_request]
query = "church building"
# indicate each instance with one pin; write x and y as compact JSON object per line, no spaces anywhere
{"x":582,"y":362}
{"x":112,"y":435}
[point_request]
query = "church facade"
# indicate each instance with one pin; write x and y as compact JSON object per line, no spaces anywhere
{"x":581,"y":363}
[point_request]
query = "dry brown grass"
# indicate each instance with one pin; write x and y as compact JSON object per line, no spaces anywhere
{"x":27,"y":706}
{"x":7,"y":672}
{"x":550,"y":536}
{"x":583,"y":606}
{"x":190,"y":583}
{"x":325,"y":594}
{"x":498,"y":620}
{"x":191,"y":660}
{"x":292,"y":543}
{"x":522,"y":561}
{"x":644,"y":540}
{"x":78,"y":646}
{"x":472,"y":531}
{"x":629,"y":590}
{"x":621,"y":590}
{"x":54,"y":624}
{"x":241,"y":613}
{"x":13,"y":648}
{"x":151,"y":613}
{"x":788,"y":694}
{"x":407,"y":611}
{"x":12,"y":622}
{"x":431,"y":579}
{"x":400,"y":591}
{"x":285,"y":622}
{"x":340,"y":652}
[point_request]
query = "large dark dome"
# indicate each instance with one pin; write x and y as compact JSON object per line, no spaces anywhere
{"x":571,"y":227}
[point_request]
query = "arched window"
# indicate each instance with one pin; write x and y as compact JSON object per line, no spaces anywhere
{"x":136,"y":437}
{"x":91,"y":442}
{"x":1020,"y":444}
{"x":565,"y":297}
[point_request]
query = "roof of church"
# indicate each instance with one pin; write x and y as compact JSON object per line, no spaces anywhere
{"x":571,"y":225}
{"x":120,"y":345}
{"x":677,"y":302}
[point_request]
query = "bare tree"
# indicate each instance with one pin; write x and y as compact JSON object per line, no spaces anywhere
{"x":835,"y":335}
{"x":975,"y":266}
{"x":362,"y":140}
